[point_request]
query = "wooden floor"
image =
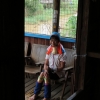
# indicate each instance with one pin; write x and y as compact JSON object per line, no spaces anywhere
{"x":56,"y":89}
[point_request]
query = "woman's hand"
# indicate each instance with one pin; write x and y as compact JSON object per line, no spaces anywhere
{"x":45,"y":72}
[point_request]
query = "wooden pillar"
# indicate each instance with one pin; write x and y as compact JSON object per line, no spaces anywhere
{"x":56,"y":12}
{"x":82,"y":34}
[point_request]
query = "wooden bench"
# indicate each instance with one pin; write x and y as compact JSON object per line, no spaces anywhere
{"x":36,"y":59}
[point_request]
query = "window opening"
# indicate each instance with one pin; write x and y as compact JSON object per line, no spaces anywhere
{"x":68,"y":18}
{"x":39,"y":16}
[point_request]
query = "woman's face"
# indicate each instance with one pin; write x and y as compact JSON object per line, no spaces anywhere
{"x":54,"y":42}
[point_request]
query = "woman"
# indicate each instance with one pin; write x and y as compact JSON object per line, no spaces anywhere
{"x":54,"y":63}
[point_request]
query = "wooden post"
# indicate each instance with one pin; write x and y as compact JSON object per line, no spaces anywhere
{"x":82,"y":34}
{"x":56,"y":12}
{"x":78,"y":39}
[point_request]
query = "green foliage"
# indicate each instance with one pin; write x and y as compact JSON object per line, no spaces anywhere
{"x":71,"y":26}
{"x":32,"y":6}
{"x":45,"y":16}
{"x":67,"y":7}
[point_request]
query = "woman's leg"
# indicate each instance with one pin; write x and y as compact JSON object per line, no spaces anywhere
{"x":39,"y":84}
{"x":47,"y":87}
{"x":53,"y":76}
{"x":37,"y":87}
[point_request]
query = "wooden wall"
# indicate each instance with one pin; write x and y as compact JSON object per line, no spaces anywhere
{"x":46,"y":42}
{"x":91,"y":79}
{"x":92,"y":72}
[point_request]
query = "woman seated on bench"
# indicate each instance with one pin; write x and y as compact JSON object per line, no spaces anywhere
{"x":54,"y":63}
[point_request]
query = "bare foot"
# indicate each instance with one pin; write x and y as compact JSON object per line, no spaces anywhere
{"x":33,"y":97}
{"x":46,"y":99}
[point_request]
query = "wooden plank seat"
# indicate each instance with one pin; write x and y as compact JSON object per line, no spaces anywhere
{"x":36,"y":59}
{"x":70,"y":66}
{"x":32,"y":69}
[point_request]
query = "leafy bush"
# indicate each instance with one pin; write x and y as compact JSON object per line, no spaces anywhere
{"x":71,"y":26}
{"x":32,"y":6}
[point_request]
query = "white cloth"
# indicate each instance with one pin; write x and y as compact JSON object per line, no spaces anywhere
{"x":54,"y":61}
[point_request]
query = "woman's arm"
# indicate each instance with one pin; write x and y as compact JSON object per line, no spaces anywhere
{"x":46,"y":67}
{"x":62,"y":62}
{"x":46,"y":64}
{"x":61,"y":66}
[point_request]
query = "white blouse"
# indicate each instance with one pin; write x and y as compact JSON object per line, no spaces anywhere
{"x":54,"y":60}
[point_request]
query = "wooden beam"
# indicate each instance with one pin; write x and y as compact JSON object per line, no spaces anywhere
{"x":74,"y":95}
{"x":78,"y":39}
{"x":56,"y":11}
{"x":93,"y":54}
{"x":82,"y":44}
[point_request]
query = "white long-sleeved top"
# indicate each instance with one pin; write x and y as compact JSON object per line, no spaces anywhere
{"x":54,"y":60}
